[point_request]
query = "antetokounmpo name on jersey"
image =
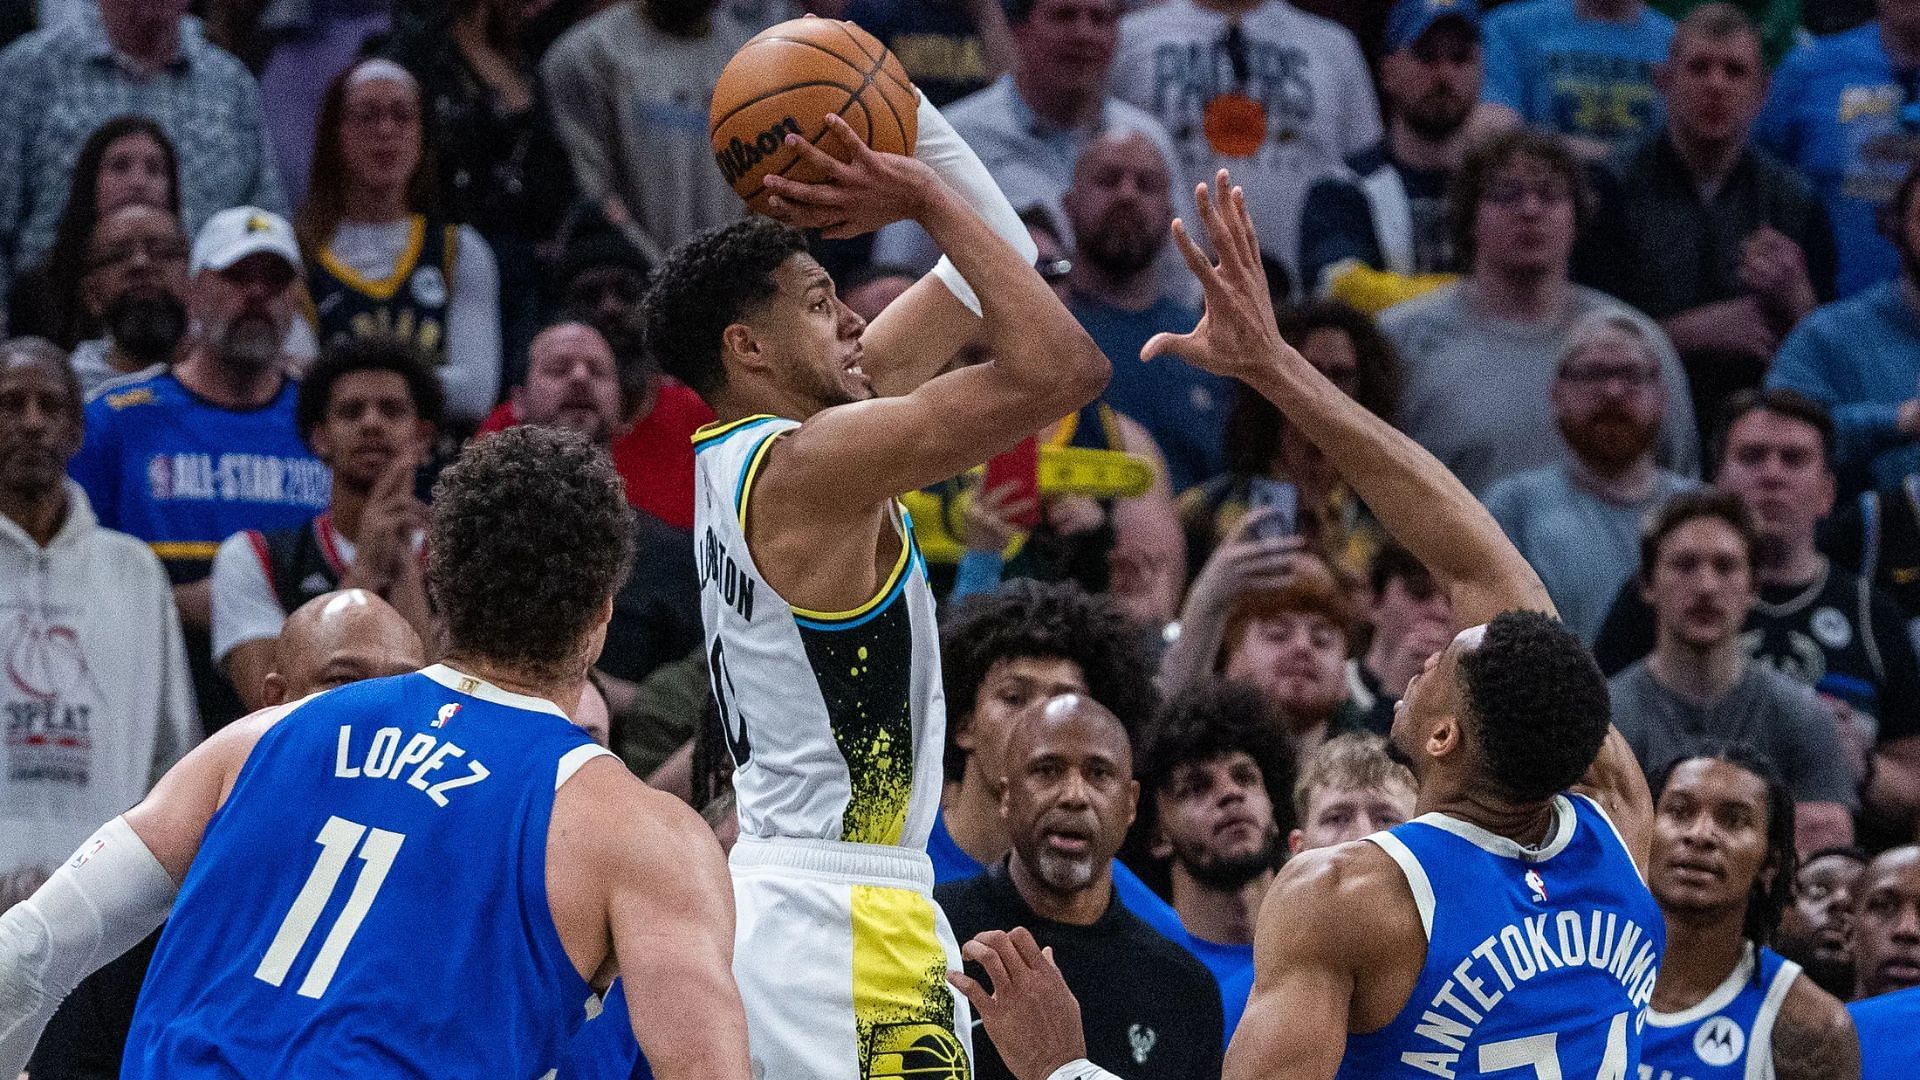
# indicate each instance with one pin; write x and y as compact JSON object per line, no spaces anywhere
{"x":1520,"y":952}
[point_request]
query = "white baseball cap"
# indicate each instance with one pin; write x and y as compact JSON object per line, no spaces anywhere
{"x":232,"y":235}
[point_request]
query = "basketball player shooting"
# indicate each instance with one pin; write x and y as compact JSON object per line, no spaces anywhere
{"x":421,"y":875}
{"x":820,"y":627}
{"x":1508,"y":927}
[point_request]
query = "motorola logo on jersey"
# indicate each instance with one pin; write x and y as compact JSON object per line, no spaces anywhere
{"x":1719,"y":1041}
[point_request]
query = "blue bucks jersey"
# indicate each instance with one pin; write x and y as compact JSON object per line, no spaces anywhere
{"x":1540,"y":961}
{"x":1729,"y":1034}
{"x":371,"y":900}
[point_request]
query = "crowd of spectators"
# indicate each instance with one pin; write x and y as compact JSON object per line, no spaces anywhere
{"x":1644,"y":275}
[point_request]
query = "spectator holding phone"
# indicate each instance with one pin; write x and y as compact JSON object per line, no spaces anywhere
{"x":1578,"y":520}
{"x":1269,"y":612}
{"x":1269,"y":466}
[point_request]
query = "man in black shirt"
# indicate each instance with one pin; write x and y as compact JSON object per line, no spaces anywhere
{"x":1150,"y":1009}
{"x":1811,"y":620}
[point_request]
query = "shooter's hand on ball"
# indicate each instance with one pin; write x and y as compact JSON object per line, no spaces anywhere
{"x":859,"y":195}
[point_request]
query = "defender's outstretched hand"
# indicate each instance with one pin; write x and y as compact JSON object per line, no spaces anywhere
{"x":862,"y":193}
{"x":1236,"y":335}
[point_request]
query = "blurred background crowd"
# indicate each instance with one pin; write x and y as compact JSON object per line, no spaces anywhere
{"x":1645,"y":276}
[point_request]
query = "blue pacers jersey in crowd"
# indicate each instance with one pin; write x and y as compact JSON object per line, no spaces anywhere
{"x":371,"y":900}
{"x":1538,"y":960}
{"x":1729,"y":1034}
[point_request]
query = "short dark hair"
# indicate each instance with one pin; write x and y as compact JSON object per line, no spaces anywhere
{"x":28,"y":349}
{"x":1767,"y":901}
{"x":1692,"y":506}
{"x":1020,"y":11}
{"x":1033,"y":620}
{"x":1469,"y":187}
{"x":375,"y":352}
{"x":1392,"y":562}
{"x":1716,"y":21}
{"x":1208,"y":720}
{"x":530,"y":536}
{"x":1251,"y":437}
{"x":1791,"y":404}
{"x":1536,"y":703}
{"x":706,"y":285}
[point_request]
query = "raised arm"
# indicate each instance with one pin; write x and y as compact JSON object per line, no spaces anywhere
{"x":1419,"y":502}
{"x":1042,"y":365}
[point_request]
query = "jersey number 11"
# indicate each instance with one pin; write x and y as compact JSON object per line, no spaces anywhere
{"x":337,"y":840}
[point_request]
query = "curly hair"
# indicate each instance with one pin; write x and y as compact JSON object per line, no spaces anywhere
{"x":1034,"y":620}
{"x":530,"y":536}
{"x":371,"y":353}
{"x":706,"y":285}
{"x":1766,"y":901}
{"x":1210,"y":720}
{"x":1536,"y":704}
{"x":1500,"y":151}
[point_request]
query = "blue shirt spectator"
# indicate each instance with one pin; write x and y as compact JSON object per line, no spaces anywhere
{"x":1566,"y":67}
{"x":1841,"y":112}
{"x":1860,"y":357}
{"x":58,"y":84}
{"x":1181,"y":406}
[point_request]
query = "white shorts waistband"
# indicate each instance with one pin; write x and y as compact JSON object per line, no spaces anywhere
{"x":878,"y":864}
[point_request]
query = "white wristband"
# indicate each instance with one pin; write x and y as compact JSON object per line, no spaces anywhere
{"x":943,"y":150}
{"x":1081,"y":1069}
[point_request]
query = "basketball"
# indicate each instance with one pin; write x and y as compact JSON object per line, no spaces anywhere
{"x":789,"y":78}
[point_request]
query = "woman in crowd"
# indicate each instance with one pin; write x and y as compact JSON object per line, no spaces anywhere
{"x":498,"y":165}
{"x":379,"y":259}
{"x":126,"y":161}
{"x":1270,"y":466}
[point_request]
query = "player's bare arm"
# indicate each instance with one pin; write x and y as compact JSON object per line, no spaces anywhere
{"x":1043,"y":364}
{"x":1331,"y":913}
{"x":1813,"y":1037}
{"x":173,"y":817}
{"x":1418,"y":501}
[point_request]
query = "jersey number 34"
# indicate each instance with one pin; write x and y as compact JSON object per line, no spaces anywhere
{"x":1542,"y":1054}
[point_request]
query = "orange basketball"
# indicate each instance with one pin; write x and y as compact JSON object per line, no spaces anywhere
{"x":788,"y":79}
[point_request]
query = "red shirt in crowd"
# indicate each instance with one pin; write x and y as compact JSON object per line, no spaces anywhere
{"x":655,"y":456}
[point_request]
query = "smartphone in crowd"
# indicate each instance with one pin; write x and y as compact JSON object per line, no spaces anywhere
{"x":1282,"y":500}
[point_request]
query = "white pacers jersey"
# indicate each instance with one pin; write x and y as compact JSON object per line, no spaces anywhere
{"x":835,"y":719}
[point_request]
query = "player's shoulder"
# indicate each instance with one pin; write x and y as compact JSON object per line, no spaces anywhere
{"x":1348,"y":893}
{"x":1813,"y":1035}
{"x":613,"y":818}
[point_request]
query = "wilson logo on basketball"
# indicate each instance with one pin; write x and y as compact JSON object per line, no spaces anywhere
{"x":740,"y":157}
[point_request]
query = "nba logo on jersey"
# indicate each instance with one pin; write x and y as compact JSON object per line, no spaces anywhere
{"x":1719,"y":1041}
{"x":1537,"y":886}
{"x":445,"y":714}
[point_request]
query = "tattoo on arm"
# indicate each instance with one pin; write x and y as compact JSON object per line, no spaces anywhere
{"x":1815,"y":1041}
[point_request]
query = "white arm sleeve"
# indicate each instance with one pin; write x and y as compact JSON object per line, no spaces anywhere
{"x":99,"y":904}
{"x":948,"y":154}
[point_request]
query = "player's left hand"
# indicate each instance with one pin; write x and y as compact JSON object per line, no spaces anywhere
{"x":1031,"y":1016}
{"x":858,"y":195}
{"x":1236,"y":335}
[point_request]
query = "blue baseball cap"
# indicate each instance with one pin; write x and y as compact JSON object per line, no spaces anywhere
{"x":1411,"y":18}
